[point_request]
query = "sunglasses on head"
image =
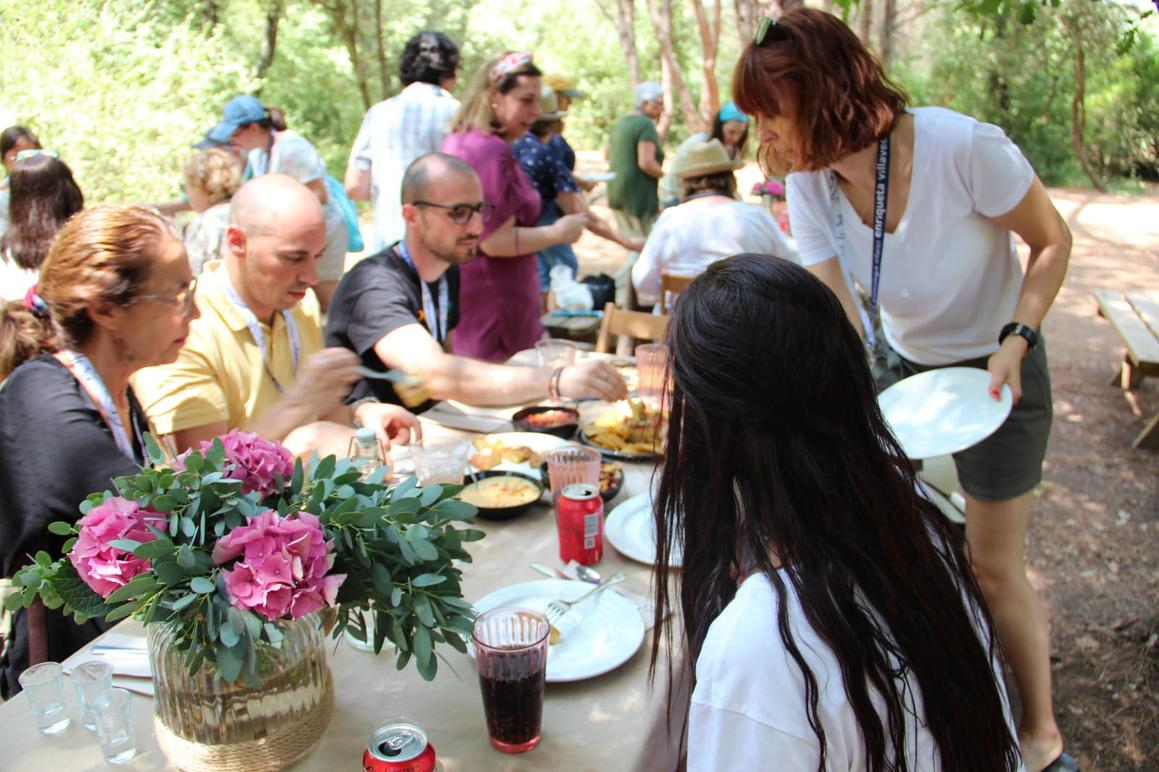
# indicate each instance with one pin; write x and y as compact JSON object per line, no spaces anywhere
{"x":770,"y":31}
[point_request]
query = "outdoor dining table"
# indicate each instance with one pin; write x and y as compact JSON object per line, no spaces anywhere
{"x":617,"y":721}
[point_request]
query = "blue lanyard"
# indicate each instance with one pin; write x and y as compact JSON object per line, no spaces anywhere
{"x":436,"y":320}
{"x":255,"y":328}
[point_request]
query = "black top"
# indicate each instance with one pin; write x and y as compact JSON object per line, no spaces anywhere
{"x":55,"y":449}
{"x":376,"y":297}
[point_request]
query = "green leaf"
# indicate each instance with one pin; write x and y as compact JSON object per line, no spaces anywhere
{"x":403,"y":488}
{"x":228,"y":635}
{"x":324,"y":469}
{"x":428,"y":580}
{"x":423,"y":610}
{"x":140,"y":584}
{"x":430,"y":495}
{"x":381,"y":577}
{"x":61,"y":528}
{"x":424,"y":549}
{"x":124,"y":610}
{"x":188,"y":527}
{"x":423,"y":646}
{"x":128,"y":545}
{"x":229,"y":661}
{"x":429,"y":669}
{"x":183,"y":601}
{"x":151,"y":550}
{"x":153,"y":450}
{"x":14,"y":601}
{"x":164,"y":504}
{"x":185,"y":557}
{"x":202,"y":585}
{"x":396,"y":597}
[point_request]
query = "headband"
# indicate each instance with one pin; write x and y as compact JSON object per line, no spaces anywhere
{"x":508,"y":64}
{"x":34,"y":303}
{"x":32,"y":153}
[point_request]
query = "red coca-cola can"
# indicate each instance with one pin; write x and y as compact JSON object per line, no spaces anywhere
{"x":399,"y":746}
{"x":580,"y":520}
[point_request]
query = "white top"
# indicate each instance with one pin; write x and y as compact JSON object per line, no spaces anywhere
{"x":295,"y":156}
{"x":688,"y":238}
{"x":14,"y":280}
{"x":394,"y":133}
{"x":950,"y":277}
{"x":749,"y":707}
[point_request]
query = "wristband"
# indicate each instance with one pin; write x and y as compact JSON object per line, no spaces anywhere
{"x":1021,"y":330}
{"x":553,"y":383}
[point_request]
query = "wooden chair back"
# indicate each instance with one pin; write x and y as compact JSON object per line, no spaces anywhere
{"x":634,"y":324}
{"x":671,"y":285}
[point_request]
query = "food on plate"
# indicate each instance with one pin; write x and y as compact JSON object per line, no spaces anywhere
{"x":500,"y":492}
{"x":490,"y":452}
{"x":641,"y":433}
{"x":611,"y":476}
{"x":549,"y":419}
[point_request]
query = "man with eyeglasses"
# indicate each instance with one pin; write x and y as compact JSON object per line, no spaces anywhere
{"x":254,"y":359}
{"x":396,"y":310}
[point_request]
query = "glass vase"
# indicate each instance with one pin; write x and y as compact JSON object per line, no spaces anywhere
{"x":205,"y":723}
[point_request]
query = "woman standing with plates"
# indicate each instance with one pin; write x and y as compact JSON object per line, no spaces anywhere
{"x":920,"y":206}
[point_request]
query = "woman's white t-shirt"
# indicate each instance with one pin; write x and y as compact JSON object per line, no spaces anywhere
{"x":686,"y":239}
{"x":293,"y":155}
{"x":950,"y":277}
{"x":748,"y":708}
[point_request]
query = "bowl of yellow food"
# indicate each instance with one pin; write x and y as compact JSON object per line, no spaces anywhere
{"x":501,"y":495}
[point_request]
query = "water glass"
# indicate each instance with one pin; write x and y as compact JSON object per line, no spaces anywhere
{"x":553,"y":352}
{"x":573,"y":464}
{"x":44,"y":688}
{"x":511,"y":656}
{"x":441,"y":462}
{"x":90,"y":679}
{"x":113,"y":711}
{"x":652,"y":364}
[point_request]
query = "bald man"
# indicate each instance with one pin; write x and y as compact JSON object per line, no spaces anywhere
{"x":397,"y":309}
{"x":254,"y":359}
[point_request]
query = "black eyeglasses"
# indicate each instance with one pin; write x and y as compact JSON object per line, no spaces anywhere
{"x":771,"y":32}
{"x":183,"y":297}
{"x":462,"y":213}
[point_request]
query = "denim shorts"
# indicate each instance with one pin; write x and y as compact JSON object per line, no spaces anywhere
{"x":1008,"y":463}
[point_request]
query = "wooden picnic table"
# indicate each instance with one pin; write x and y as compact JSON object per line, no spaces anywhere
{"x":1135,"y":317}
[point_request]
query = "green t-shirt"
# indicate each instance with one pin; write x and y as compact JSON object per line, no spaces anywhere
{"x":632,"y":190}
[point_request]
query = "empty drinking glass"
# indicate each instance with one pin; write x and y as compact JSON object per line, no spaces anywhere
{"x":113,"y":712}
{"x":440,"y":461}
{"x":44,"y":688}
{"x":652,"y":364}
{"x":90,"y":679}
{"x":511,"y":656}
{"x":573,"y":464}
{"x":554,"y":352}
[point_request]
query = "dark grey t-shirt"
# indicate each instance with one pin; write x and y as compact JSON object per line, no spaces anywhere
{"x":376,"y":297}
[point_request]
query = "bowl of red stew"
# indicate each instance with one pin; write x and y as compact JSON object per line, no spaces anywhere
{"x":548,"y":419}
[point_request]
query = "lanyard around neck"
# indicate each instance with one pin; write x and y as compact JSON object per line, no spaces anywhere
{"x":436,"y":319}
{"x":880,"y":199}
{"x":255,"y":328}
{"x":90,"y":380}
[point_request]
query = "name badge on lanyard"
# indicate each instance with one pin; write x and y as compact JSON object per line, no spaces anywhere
{"x":436,"y":319}
{"x":255,"y":329}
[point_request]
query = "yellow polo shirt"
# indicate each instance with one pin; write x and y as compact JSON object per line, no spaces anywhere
{"x":219,"y":375}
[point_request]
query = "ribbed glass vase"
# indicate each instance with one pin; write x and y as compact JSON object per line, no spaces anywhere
{"x":205,"y":723}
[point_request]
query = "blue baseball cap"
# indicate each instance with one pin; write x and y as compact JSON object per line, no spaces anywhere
{"x":239,"y":111}
{"x":729,"y":112}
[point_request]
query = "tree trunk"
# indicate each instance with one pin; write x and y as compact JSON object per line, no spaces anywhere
{"x":380,"y":53}
{"x":709,"y":45}
{"x":672,"y":78}
{"x":865,"y":21}
{"x":270,"y":40}
{"x":888,"y":22}
{"x":348,"y":33}
{"x":1078,"y":110}
{"x":624,"y":20}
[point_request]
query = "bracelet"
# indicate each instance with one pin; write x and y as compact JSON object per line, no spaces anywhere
{"x":553,"y":383}
{"x":354,"y":409}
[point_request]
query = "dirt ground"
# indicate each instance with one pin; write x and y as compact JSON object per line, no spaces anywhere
{"x":1093,"y":541}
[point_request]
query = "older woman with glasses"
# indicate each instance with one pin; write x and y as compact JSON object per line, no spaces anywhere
{"x":115,"y":295}
{"x":499,"y":298}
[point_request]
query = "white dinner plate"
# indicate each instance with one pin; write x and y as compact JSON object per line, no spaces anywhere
{"x":943,"y":411}
{"x":609,"y":634}
{"x":538,"y":441}
{"x":630,"y":529}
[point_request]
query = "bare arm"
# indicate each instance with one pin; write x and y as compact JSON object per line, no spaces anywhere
{"x":573,"y":203}
{"x":410,"y":348}
{"x":511,"y":240}
{"x":829,"y":271}
{"x":646,"y":159}
{"x":357,"y":183}
{"x":1040,"y":225}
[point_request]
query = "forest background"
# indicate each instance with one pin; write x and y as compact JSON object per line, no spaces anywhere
{"x":122,"y":88}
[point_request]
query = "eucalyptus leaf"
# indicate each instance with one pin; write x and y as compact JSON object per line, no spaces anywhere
{"x":429,"y":669}
{"x":182,"y":602}
{"x":422,"y":645}
{"x":229,"y":636}
{"x":202,"y":586}
{"x":128,"y":545}
{"x":422,"y":608}
{"x":61,"y":528}
{"x":425,"y":550}
{"x":396,"y":597}
{"x":185,"y":557}
{"x":428,"y":580}
{"x":324,"y":469}
{"x":137,"y":586}
{"x":229,"y":662}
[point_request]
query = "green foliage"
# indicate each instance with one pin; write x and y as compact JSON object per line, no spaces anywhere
{"x":397,"y":547}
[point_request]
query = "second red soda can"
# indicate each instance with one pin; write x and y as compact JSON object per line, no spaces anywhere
{"x":580,"y":520}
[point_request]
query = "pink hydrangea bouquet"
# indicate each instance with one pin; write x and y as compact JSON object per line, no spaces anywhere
{"x":235,"y":536}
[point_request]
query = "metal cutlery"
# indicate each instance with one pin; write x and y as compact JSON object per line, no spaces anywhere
{"x":556,"y":609}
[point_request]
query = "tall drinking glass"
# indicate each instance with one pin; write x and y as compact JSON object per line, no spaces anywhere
{"x":44,"y":688}
{"x":90,"y":679}
{"x":573,"y":464}
{"x":440,"y":461}
{"x":553,"y":352}
{"x":652,"y":364}
{"x":113,"y":712}
{"x":511,"y":656}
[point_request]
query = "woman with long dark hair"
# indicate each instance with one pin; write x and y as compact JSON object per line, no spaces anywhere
{"x":829,"y":609}
{"x":920,"y":205}
{"x":43,"y":196}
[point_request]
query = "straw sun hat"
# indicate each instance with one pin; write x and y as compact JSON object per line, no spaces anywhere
{"x":705,"y":158}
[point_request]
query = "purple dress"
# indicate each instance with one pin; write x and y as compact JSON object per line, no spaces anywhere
{"x":499,"y":296}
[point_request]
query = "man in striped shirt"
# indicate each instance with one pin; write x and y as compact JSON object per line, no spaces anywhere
{"x":400,"y":129}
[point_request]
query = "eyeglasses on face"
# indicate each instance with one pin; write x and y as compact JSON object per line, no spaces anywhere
{"x":770,"y":31}
{"x":182,"y":298}
{"x":462,"y":213}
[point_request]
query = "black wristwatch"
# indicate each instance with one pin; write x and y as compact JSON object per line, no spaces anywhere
{"x":1018,"y":328}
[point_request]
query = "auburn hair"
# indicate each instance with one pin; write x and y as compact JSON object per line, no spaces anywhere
{"x":814,"y":70}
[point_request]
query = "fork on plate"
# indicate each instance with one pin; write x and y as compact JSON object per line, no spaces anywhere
{"x":557,"y":608}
